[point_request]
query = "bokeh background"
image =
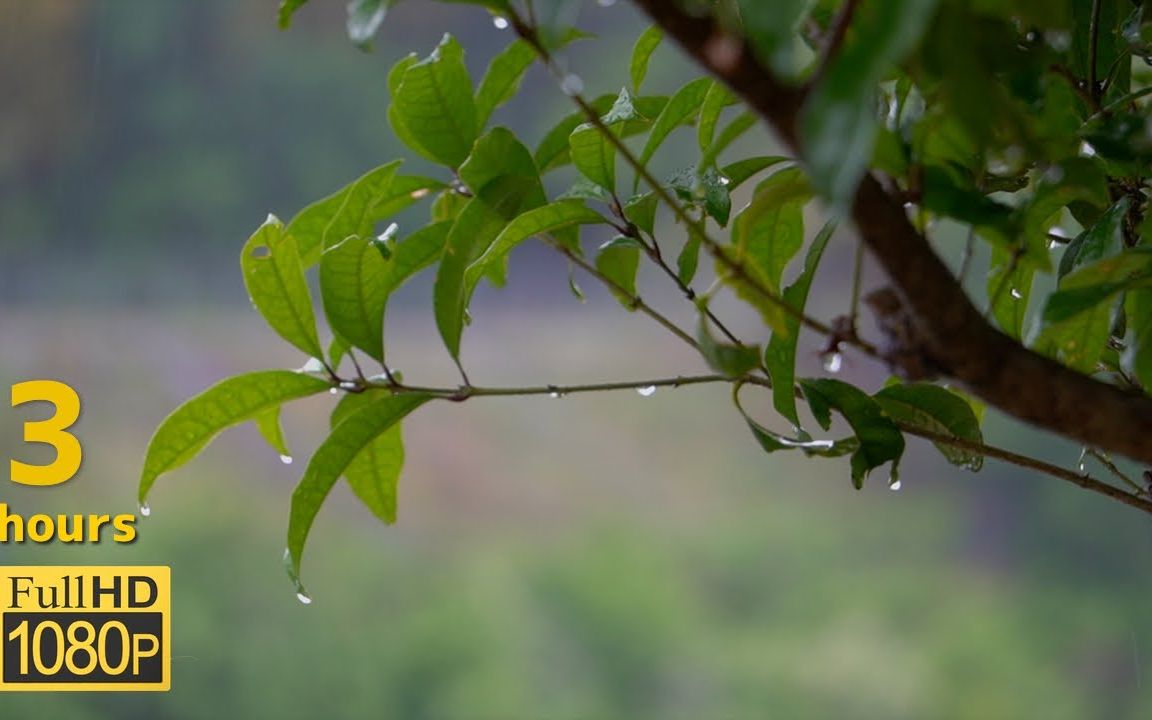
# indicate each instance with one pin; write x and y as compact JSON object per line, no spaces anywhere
{"x":588,"y":557}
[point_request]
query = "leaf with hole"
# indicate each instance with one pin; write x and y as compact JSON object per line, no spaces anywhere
{"x":275,"y":281}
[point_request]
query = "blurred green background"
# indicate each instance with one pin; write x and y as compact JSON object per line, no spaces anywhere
{"x":584,"y":558}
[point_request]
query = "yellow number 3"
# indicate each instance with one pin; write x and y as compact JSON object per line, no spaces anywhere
{"x":50,"y":431}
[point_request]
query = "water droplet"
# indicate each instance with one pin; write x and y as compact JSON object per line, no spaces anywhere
{"x":725,"y":181}
{"x":389,"y":233}
{"x":572,"y":84}
{"x":417,"y":194}
{"x":606,"y":3}
{"x":314,"y":365}
{"x":1016,"y":294}
{"x":145,"y":510}
{"x":333,"y":391}
{"x":286,"y":459}
{"x":1053,"y":244}
{"x":1082,"y":463}
{"x":349,"y":385}
{"x":833,"y":362}
{"x":648,"y":391}
{"x":304,"y":598}
{"x":1086,"y":149}
{"x":895,"y":487}
{"x":554,"y":394}
{"x":501,"y":23}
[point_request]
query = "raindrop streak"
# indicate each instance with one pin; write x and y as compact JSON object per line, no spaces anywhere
{"x":303,"y":598}
{"x":286,"y":459}
{"x":647,"y":391}
{"x":896,"y":485}
{"x":500,"y":23}
{"x":1082,"y":463}
{"x":833,"y":362}
{"x":145,"y":510}
{"x":572,"y":85}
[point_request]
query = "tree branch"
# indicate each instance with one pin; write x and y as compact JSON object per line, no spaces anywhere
{"x":952,"y":331}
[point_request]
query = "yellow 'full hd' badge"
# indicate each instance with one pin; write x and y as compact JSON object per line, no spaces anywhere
{"x":85,"y":628}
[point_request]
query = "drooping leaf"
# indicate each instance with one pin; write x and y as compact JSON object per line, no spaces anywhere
{"x":270,"y":262}
{"x":641,"y":211}
{"x":618,"y":261}
{"x":435,"y":105}
{"x":775,"y":442}
{"x":190,"y":427}
{"x":838,"y":124}
{"x":688,"y":261}
{"x":268,"y":423}
{"x":344,"y":444}
{"x":731,"y":361}
{"x":1137,"y":357}
{"x":707,"y":189}
{"x":374,"y":473}
{"x":938,"y":410}
{"x":880,"y":440}
{"x":353,"y":285}
{"x":287,"y":9}
{"x":642,"y":51}
{"x":780,"y":355}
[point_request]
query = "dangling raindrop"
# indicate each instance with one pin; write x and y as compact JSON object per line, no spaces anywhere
{"x":304,"y":598}
{"x":348,"y":385}
{"x":895,"y":487}
{"x":1082,"y":463}
{"x":501,"y":23}
{"x":648,"y":391}
{"x":833,"y":362}
{"x":572,"y":84}
{"x":145,"y":510}
{"x":554,"y":394}
{"x":286,"y":459}
{"x":1016,"y":294}
{"x":314,"y":365}
{"x":333,"y":391}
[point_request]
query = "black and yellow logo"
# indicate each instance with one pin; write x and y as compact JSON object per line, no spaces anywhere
{"x":85,"y":628}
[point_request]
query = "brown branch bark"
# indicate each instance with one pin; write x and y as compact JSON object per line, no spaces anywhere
{"x":951,"y":330}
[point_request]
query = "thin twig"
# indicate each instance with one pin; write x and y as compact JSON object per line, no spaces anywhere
{"x":1093,"y":49}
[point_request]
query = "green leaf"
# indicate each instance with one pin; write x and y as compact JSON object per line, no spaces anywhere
{"x":337,"y":349}
{"x":688,"y":261}
{"x":741,"y":124}
{"x":1104,"y":239}
{"x":936,"y":409}
{"x":1137,"y":357}
{"x":270,"y":262}
{"x":838,"y":123}
{"x":351,"y":436}
{"x":642,"y":51}
{"x":771,"y":29}
{"x":502,"y":79}
{"x":880,"y":440}
{"x":542,"y":220}
{"x":353,"y":285}
{"x":268,"y":423}
{"x":287,"y":9}
{"x":707,"y":189}
{"x":641,"y":211}
{"x":374,"y":473}
{"x":1077,"y":318}
{"x":731,"y":361}
{"x":434,"y":103}
{"x":780,"y":355}
{"x":355,"y":209}
{"x":618,"y":261}
{"x":1009,"y":289}
{"x":190,"y":427}
{"x":498,"y":154}
{"x":718,"y":98}
{"x":681,"y":109}
{"x":742,"y":171}
{"x":553,"y":151}
{"x":364,"y":18}
{"x":594,"y":156}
